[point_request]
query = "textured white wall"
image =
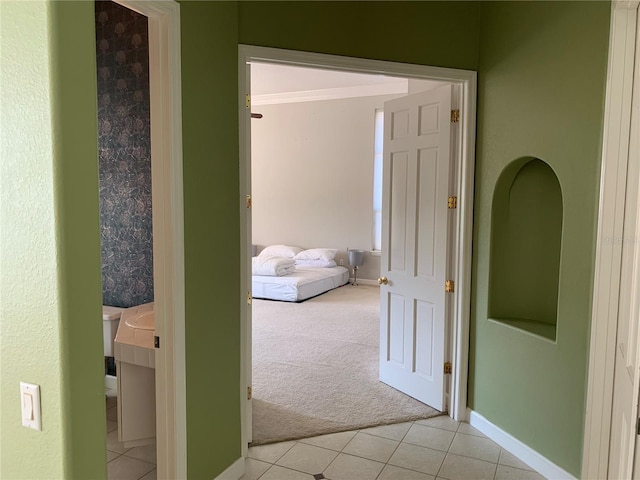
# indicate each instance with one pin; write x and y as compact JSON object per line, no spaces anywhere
{"x":29,"y":330}
{"x":312,"y":175}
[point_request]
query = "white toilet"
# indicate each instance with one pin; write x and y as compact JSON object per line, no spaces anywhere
{"x":110,"y":321}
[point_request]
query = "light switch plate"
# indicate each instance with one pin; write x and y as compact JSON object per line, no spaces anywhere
{"x":30,"y":405}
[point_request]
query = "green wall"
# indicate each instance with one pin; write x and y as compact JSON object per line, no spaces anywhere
{"x":441,"y":34}
{"x":541,"y":68}
{"x":75,"y":149}
{"x":212,"y":234}
{"x":50,"y":291}
{"x":541,"y":94}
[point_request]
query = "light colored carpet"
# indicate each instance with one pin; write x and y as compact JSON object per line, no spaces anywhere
{"x":315,"y":368}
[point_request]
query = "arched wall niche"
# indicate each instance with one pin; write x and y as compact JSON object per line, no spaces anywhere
{"x":526,"y":240}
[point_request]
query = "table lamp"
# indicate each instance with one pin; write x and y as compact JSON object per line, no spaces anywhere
{"x":356,"y":259}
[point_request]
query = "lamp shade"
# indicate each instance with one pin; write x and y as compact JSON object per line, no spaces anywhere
{"x":356,"y":257}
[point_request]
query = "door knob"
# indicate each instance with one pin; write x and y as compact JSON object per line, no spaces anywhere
{"x":382,"y":281}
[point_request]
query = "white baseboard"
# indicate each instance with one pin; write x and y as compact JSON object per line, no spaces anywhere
{"x":234,"y":472}
{"x":364,"y":281}
{"x":541,"y":464}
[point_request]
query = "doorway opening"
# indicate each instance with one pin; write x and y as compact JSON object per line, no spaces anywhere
{"x":124,"y":160}
{"x":465,"y":81}
{"x":161,"y":172}
{"x":316,"y":183}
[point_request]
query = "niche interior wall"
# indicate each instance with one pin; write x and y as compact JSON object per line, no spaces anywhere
{"x":526,"y":241}
{"x":124,"y":153}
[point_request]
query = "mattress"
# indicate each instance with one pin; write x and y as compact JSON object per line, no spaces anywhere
{"x":305,"y":283}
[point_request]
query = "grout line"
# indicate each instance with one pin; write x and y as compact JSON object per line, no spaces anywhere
{"x":385,"y":463}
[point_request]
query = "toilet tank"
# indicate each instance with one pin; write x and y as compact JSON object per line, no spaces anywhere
{"x":110,"y":321}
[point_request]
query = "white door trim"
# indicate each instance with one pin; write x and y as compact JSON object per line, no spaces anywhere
{"x":464,"y":164}
{"x":606,"y":287}
{"x":168,"y":231}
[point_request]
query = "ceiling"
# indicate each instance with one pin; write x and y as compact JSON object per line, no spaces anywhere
{"x":272,"y":83}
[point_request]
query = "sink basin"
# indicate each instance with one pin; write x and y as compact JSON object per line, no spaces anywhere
{"x":146,"y":321}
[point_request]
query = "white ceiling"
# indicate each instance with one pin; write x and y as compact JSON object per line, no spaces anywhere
{"x":272,"y":83}
{"x":269,"y":78}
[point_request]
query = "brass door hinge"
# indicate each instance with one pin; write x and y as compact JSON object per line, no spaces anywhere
{"x":447,"y":368}
{"x":455,"y":116}
{"x":247,"y":99}
{"x":249,"y":393}
{"x":452,"y":202}
{"x":248,"y":201}
{"x":449,"y":286}
{"x":249,"y":298}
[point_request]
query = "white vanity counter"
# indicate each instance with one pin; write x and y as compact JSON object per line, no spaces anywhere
{"x":135,"y":363}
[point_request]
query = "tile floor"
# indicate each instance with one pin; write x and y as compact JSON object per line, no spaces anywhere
{"x":137,"y":463}
{"x":436,"y":448}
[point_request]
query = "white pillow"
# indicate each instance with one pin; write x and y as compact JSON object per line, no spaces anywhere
{"x":280,"y":251}
{"x":320,"y":263}
{"x":317,"y":254}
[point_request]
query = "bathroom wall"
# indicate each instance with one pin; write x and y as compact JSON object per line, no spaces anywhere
{"x":124,"y":149}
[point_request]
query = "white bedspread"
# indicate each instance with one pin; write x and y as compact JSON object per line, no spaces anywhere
{"x":302,"y":284}
{"x":273,"y":266}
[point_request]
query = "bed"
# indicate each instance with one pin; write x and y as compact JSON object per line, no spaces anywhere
{"x":292,"y":274}
{"x":304,"y":283}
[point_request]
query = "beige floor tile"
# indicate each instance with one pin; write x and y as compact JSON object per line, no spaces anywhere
{"x":469,"y":430}
{"x":371,"y":447}
{"x":111,"y":426}
{"x":393,"y":432}
{"x":111,"y":456}
{"x":414,"y":457}
{"x":509,"y":459}
{"x":111,"y":401}
{"x":391,"y":472}
{"x":281,"y":473}
{"x":456,"y":467}
{"x":254,"y":468}
{"x":443,"y":421}
{"x":307,"y":458}
{"x":429,"y":437}
{"x":270,"y":453}
{"x":146,"y":453}
{"x":113,"y":445}
{"x":348,"y":467}
{"x":152,"y":475}
{"x":510,"y":473}
{"x":332,"y":441}
{"x":126,"y":468}
{"x":475,"y":447}
{"x":112,"y":414}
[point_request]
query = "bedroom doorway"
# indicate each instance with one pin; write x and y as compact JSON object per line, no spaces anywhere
{"x":464,"y":174}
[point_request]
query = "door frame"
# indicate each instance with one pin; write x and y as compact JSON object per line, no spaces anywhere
{"x":623,"y":36}
{"x":464,"y":165}
{"x":168,"y":231}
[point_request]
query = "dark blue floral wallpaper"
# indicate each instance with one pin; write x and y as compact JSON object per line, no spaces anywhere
{"x":124,"y":146}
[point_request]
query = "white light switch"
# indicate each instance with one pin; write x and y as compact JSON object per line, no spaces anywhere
{"x":30,"y":405}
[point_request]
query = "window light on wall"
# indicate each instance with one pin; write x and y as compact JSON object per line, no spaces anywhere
{"x":377,"y":180}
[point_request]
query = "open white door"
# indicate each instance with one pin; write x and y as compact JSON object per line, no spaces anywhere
{"x":624,"y":417}
{"x":415,"y":244}
{"x":626,"y":382}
